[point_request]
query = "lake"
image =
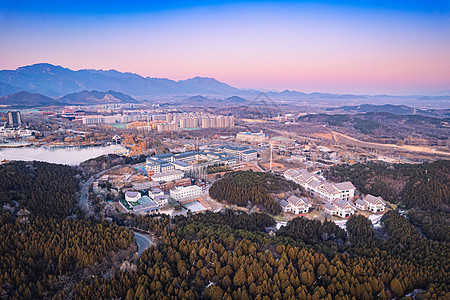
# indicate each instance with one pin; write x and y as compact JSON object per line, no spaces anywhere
{"x":59,"y":155}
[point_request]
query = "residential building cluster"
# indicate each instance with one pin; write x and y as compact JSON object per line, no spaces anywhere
{"x":338,"y":196}
{"x":160,"y":122}
{"x":319,"y":187}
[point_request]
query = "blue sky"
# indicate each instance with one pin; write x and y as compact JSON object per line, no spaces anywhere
{"x":398,"y":47}
{"x":115,"y":6}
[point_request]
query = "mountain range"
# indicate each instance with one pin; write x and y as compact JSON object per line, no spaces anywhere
{"x":69,"y":86}
{"x":28,"y":100}
{"x":56,"y":81}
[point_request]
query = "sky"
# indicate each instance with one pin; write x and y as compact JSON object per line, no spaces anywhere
{"x":364,"y":47}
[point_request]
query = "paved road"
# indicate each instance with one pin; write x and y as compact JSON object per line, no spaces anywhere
{"x":143,"y":241}
{"x":84,"y":199}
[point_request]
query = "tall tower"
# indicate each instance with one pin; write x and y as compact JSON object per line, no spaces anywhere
{"x":14,"y":118}
{"x":271,"y":156}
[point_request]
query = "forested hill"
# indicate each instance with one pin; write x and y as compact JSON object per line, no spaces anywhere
{"x":244,"y":187}
{"x":205,"y":257}
{"x":44,"y":189}
{"x":39,"y":256}
{"x":425,"y":186}
{"x":42,"y":252}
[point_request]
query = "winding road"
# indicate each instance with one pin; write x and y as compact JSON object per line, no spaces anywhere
{"x":84,"y":199}
{"x":143,"y":241}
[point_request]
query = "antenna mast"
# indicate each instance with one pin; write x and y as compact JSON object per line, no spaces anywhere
{"x":271,"y":156}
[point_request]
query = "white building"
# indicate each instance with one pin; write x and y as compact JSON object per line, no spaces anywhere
{"x":340,"y":208}
{"x":296,"y":205}
{"x":371,"y":203}
{"x":185,"y":192}
{"x":318,"y":187}
{"x":132,"y":196}
{"x":257,"y":137}
{"x":167,"y":176}
{"x":161,"y":200}
{"x":249,"y":155}
{"x":181,"y":165}
{"x":152,"y":193}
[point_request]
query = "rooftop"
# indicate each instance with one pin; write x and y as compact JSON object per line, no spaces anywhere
{"x":145,"y":204}
{"x":168,"y":173}
{"x":132,"y":193}
{"x":347,"y":185}
{"x":163,"y":155}
{"x":181,"y":163}
{"x":156,"y":190}
{"x":373,"y":200}
{"x":186,"y":154}
{"x":145,"y":185}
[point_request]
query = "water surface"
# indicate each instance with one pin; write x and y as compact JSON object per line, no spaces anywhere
{"x":60,"y":155}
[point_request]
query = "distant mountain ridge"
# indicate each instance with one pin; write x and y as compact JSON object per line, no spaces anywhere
{"x":56,"y":81}
{"x":26,"y":99}
{"x":96,"y":97}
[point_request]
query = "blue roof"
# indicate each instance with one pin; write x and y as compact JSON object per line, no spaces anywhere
{"x":164,"y":155}
{"x":186,"y":154}
{"x":228,"y":158}
{"x":236,"y":148}
{"x":181,"y":163}
{"x":151,"y":160}
{"x":250,"y":151}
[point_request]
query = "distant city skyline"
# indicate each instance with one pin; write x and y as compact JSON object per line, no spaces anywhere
{"x":361,"y":47}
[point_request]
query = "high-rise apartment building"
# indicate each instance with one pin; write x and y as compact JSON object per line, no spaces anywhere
{"x":14,"y":118}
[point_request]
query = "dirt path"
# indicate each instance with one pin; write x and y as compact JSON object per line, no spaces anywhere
{"x":407,"y":148}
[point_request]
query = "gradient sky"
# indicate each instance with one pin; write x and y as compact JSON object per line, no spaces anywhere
{"x":370,"y":47}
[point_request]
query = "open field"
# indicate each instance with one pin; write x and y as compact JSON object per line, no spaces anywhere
{"x":342,"y":138}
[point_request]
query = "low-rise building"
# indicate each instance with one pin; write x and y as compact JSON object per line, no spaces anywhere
{"x":237,"y":152}
{"x":187,"y":156}
{"x":161,"y":200}
{"x":132,"y":196}
{"x":340,"y":208}
{"x":181,"y":165}
{"x":167,"y":176}
{"x":145,"y":186}
{"x":182,"y":182}
{"x":156,"y":165}
{"x":168,"y":157}
{"x":249,"y":155}
{"x":155,"y":192}
{"x":257,"y":137}
{"x":371,"y":203}
{"x":296,"y":205}
{"x":185,"y":192}
{"x":145,"y":205}
{"x":321,"y":188}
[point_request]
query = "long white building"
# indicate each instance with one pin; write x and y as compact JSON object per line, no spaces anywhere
{"x":185,"y":192}
{"x":320,"y":188}
{"x":167,"y":176}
